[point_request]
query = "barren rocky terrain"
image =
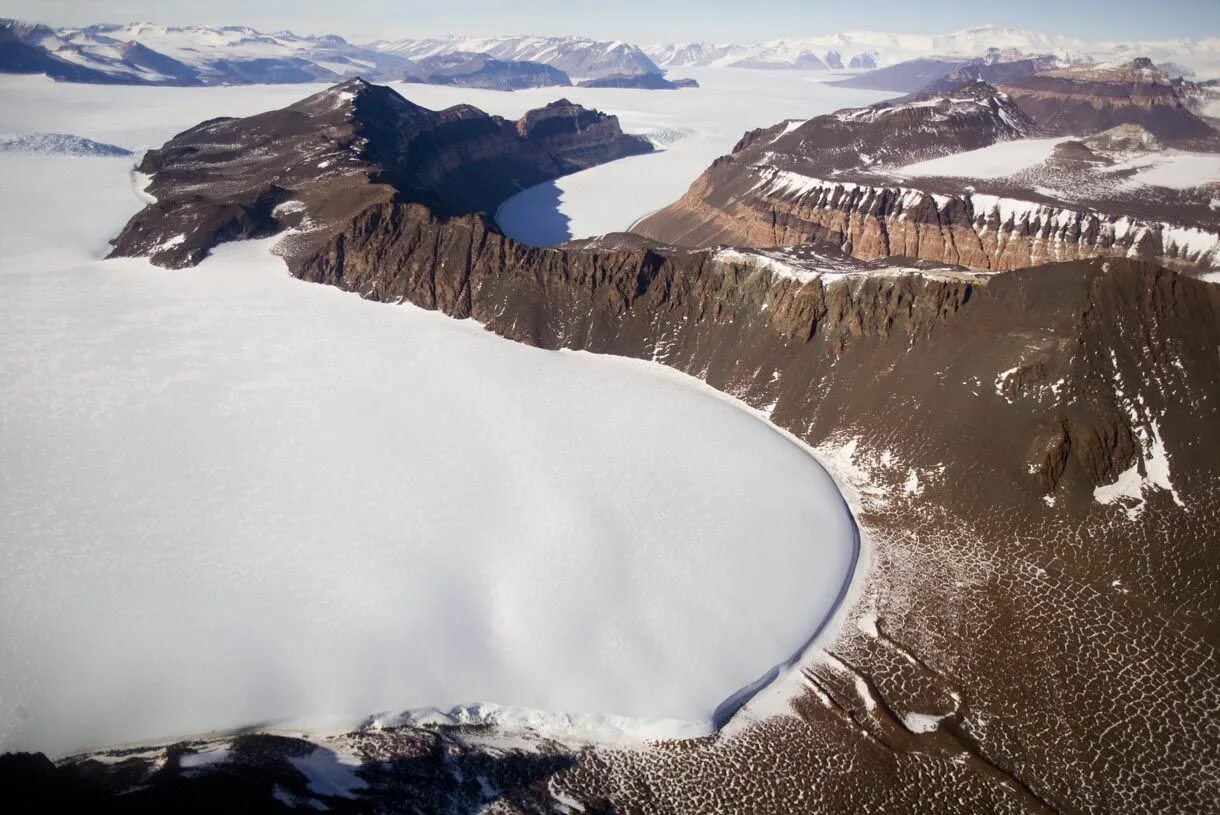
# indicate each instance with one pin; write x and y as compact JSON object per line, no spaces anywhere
{"x":859,"y":179}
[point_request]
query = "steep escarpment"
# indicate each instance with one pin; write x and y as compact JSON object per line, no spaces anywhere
{"x":1081,"y":100}
{"x":911,"y":178}
{"x":466,"y":268}
{"x":978,"y":230}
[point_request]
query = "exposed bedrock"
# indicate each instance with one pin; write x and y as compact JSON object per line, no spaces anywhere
{"x":334,"y":153}
{"x":845,"y":179}
{"x":981,"y":232}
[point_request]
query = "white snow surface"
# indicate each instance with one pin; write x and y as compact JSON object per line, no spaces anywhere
{"x":232,"y":497}
{"x":998,"y":160}
{"x":1175,"y":169}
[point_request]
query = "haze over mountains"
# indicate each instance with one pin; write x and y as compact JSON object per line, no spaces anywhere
{"x":142,"y":53}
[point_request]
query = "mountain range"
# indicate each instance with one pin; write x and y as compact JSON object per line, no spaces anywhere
{"x":142,"y":53}
{"x":866,"y":50}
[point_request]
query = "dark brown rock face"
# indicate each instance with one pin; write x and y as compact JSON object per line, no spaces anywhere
{"x":839,"y":179}
{"x":582,"y":138}
{"x":341,"y":150}
{"x":1084,"y":100}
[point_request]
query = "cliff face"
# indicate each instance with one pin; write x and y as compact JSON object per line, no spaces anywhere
{"x":336,"y":152}
{"x":580,"y":137}
{"x":853,"y":179}
{"x":1083,"y":100}
{"x":571,"y":297}
{"x":980,"y":231}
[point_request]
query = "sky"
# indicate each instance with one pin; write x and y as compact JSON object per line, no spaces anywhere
{"x":646,"y":21}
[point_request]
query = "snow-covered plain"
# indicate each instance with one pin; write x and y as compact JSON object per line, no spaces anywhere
{"x":1172,"y":169}
{"x":231,"y":497}
{"x":998,"y":160}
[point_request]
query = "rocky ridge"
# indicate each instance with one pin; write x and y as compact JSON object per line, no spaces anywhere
{"x":843,"y":179}
{"x":486,"y":72}
{"x":649,"y":82}
{"x":316,"y":163}
{"x":1085,"y":99}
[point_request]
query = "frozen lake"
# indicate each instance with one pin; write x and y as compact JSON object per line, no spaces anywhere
{"x":231,"y":497}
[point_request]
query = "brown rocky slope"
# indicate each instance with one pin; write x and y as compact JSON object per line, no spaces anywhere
{"x":338,"y":151}
{"x":1087,"y":99}
{"x":1031,"y":458}
{"x":840,"y":179}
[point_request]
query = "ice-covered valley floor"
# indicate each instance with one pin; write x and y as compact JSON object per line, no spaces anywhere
{"x":230,"y":497}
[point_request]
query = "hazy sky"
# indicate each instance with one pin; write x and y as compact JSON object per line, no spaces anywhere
{"x":644,"y":21}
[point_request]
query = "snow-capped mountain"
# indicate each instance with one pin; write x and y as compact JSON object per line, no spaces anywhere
{"x":684,"y":54}
{"x":142,"y":53}
{"x":578,"y":57}
{"x":874,"y":49}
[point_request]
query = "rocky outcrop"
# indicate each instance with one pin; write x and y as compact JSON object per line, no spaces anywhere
{"x":1083,"y":100}
{"x":579,"y":137}
{"x":975,"y":230}
{"x":647,"y":82}
{"x":337,"y":152}
{"x":833,"y":180}
{"x":486,"y":72}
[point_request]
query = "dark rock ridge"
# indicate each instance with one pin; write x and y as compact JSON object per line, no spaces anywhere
{"x":341,"y":150}
{"x":994,"y":69}
{"x":939,"y":74}
{"x":1030,"y":457}
{"x":483,"y":71}
{"x":650,"y":82}
{"x":1082,"y":100}
{"x":840,"y":179}
{"x":909,"y":76}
